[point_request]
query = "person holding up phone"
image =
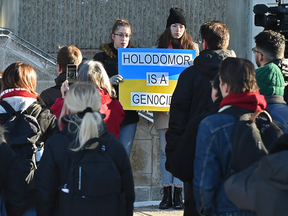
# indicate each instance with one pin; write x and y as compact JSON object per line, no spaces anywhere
{"x":121,"y":34}
{"x":68,"y":54}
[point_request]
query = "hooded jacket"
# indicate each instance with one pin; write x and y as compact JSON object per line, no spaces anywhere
{"x":192,"y":94}
{"x":263,"y":187}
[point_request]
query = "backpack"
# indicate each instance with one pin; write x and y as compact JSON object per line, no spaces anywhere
{"x":22,"y":132}
{"x":94,"y":183}
{"x":252,"y":137}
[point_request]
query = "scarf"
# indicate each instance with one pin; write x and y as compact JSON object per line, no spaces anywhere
{"x":252,"y":101}
{"x":17,"y":92}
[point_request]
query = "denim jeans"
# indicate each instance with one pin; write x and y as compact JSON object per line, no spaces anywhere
{"x":127,"y":134}
{"x":167,"y":177}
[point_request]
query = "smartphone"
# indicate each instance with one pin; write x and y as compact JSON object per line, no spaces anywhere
{"x":71,"y":73}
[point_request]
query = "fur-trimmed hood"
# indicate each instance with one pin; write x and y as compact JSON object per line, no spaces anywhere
{"x":110,"y":51}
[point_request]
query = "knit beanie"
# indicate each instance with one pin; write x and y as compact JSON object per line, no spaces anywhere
{"x":177,"y":15}
{"x":270,"y":80}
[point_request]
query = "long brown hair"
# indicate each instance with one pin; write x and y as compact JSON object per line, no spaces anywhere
{"x":186,"y":41}
{"x":20,"y":75}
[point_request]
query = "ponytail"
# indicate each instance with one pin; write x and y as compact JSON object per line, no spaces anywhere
{"x":83,"y":101}
{"x":90,"y":127}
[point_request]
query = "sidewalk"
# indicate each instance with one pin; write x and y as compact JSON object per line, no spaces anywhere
{"x":151,"y":209}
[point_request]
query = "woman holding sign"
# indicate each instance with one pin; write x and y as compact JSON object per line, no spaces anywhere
{"x":174,"y":37}
{"x":121,"y":33}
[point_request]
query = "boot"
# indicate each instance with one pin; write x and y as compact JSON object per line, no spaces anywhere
{"x":167,"y":198}
{"x":177,"y":198}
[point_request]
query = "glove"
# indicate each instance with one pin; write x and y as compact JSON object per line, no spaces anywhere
{"x":114,"y":80}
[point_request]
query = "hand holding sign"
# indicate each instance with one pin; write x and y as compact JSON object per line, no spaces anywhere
{"x":114,"y":80}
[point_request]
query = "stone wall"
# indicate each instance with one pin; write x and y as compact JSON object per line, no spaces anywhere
{"x":145,"y":162}
{"x":87,"y":23}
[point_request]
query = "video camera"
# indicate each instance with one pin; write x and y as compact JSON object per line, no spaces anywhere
{"x":276,"y":20}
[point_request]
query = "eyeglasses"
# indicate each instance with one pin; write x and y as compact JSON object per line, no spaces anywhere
{"x":256,"y":51}
{"x":123,"y":35}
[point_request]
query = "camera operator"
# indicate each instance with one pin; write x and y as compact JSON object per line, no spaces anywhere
{"x":270,"y":47}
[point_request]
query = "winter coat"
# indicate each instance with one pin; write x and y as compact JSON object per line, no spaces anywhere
{"x":50,"y":95}
{"x":182,"y":160}
{"x":54,"y":168}
{"x":46,"y":120}
{"x":192,"y":94}
{"x":262,"y":187}
{"x":161,"y":119}
{"x":113,"y":110}
{"x":12,"y":182}
{"x":109,"y":58}
{"x":276,"y":104}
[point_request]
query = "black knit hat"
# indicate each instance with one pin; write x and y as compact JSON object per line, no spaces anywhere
{"x":177,"y":15}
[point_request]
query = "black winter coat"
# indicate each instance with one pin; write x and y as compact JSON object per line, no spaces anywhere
{"x":50,"y":95}
{"x":49,"y":126}
{"x":109,"y":58}
{"x":182,"y":159}
{"x":54,"y":168}
{"x":12,"y":182}
{"x":192,"y":95}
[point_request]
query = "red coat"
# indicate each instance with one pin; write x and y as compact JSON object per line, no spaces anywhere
{"x":111,"y":108}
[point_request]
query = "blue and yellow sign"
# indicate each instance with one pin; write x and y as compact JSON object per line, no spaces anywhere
{"x":150,"y":76}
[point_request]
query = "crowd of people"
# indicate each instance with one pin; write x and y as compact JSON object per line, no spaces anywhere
{"x":86,"y":136}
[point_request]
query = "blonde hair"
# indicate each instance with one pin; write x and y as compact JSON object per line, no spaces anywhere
{"x":93,"y":71}
{"x":80,"y":96}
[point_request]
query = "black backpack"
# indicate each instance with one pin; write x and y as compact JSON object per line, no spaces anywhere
{"x":94,"y":183}
{"x":22,"y":132}
{"x":252,"y":137}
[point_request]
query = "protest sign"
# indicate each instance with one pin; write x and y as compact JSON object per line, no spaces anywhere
{"x":150,"y":76}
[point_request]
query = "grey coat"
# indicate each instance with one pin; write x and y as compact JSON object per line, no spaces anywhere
{"x":263,"y":187}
